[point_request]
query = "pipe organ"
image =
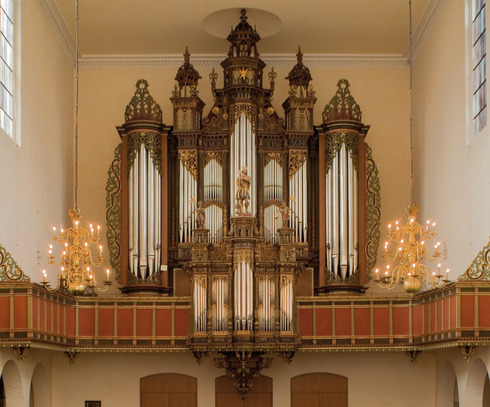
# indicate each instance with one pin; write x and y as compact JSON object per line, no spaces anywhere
{"x":241,"y":199}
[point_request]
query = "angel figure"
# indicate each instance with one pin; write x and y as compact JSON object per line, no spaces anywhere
{"x":242,"y":192}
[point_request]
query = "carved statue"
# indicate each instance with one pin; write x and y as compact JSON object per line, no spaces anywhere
{"x":242,"y":193}
{"x":200,"y":215}
{"x":284,"y":210}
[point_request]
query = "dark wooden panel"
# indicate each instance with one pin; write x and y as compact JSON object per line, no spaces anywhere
{"x":319,"y":390}
{"x":168,"y":390}
{"x":260,"y":394}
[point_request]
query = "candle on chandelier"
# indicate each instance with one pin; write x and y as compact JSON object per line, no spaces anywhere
{"x":44,"y":275}
{"x":54,"y":232}
{"x":91,"y":230}
{"x":108,"y":272}
{"x":76,"y":224}
{"x":100,"y":248}
{"x":447,"y":274}
{"x":98,"y":230}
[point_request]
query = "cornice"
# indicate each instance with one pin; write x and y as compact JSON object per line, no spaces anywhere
{"x":213,"y":60}
{"x":424,"y":25}
{"x":60,"y":28}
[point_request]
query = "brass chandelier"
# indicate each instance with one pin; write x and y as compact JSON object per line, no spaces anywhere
{"x":406,"y":261}
{"x":76,"y":262}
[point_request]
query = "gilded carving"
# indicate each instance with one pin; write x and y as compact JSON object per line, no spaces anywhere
{"x":142,"y":105}
{"x":249,"y":109}
{"x":296,"y":159}
{"x":268,"y":252}
{"x":240,"y":256}
{"x":342,"y":106}
{"x":113,"y":212}
{"x":218,"y":252}
{"x":189,"y":160}
{"x":479,"y":268}
{"x":334,"y":142}
{"x":373,"y":211}
{"x":200,"y":280}
{"x":151,"y":141}
{"x":213,"y":155}
{"x":272,"y":156}
{"x":9,"y":269}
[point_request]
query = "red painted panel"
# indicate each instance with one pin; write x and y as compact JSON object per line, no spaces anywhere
{"x":467,"y":311}
{"x":61,"y":316}
{"x":144,"y":320}
{"x":106,"y":322}
{"x":362,"y":318}
{"x":42,"y":316}
{"x":426,"y":318}
{"x":86,"y":322}
{"x":381,"y":321}
{"x":417,"y":320}
{"x":125,"y":322}
{"x":453,"y":312}
{"x":323,"y":322}
{"x":35,"y":307}
{"x":401,"y":320}
{"x":306,"y":322}
{"x":446,"y":313}
{"x":483,"y":311}
{"x":181,"y":322}
{"x":439,"y":316}
{"x":432,"y":310}
{"x":49,"y":316}
{"x":20,"y":312}
{"x":4,"y":313}
{"x":342,"y":321}
{"x":163,"y":322}
{"x":70,"y":321}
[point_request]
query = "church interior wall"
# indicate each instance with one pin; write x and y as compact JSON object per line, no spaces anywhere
{"x":37,"y":175}
{"x":451,"y":166}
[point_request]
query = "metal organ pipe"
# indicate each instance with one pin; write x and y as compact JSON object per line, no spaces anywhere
{"x":342,"y":215}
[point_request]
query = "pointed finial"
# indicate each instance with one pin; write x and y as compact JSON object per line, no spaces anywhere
{"x":186,"y":56}
{"x":299,"y":56}
{"x":244,"y":14}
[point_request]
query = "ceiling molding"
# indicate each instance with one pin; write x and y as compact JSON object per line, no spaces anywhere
{"x":60,"y":28}
{"x":276,"y":60}
{"x":422,"y":30}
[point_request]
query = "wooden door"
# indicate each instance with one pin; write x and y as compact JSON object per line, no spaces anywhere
{"x":319,"y":390}
{"x":260,"y":394}
{"x":168,"y":390}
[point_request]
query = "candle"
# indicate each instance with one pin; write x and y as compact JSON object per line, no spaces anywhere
{"x":54,"y":232}
{"x":44,"y":275}
{"x":98,"y":230}
{"x":108,"y":272}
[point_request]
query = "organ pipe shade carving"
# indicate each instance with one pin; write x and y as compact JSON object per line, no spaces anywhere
{"x":142,"y":105}
{"x":113,"y":212}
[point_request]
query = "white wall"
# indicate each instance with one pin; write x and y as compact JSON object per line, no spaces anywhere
{"x":452,"y":182}
{"x":36,"y":180}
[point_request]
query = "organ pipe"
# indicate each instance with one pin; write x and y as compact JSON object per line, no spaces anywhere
{"x":144,"y":190}
{"x":299,"y":204}
{"x":342,"y":236}
{"x":187,"y":198}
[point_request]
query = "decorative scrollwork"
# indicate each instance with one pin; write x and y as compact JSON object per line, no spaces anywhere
{"x":212,"y":155}
{"x":296,"y":160}
{"x":268,"y":252}
{"x":249,"y":109}
{"x":334,"y":143}
{"x":273,"y":156}
{"x":189,"y":160}
{"x":142,"y":105}
{"x":154,"y":279}
{"x":243,"y":256}
{"x":479,"y":268}
{"x":113,"y":212}
{"x":151,"y":141}
{"x":9,"y":269}
{"x":342,"y":106}
{"x":373,"y":211}
{"x":353,"y":279}
{"x":218,"y":252}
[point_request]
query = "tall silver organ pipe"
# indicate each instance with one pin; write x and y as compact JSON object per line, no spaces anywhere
{"x":286,"y":303}
{"x":342,"y":237}
{"x":298,"y":203}
{"x":200,"y":303}
{"x":187,"y":200}
{"x":272,"y":222}
{"x":243,"y":297}
{"x":144,"y":187}
{"x":273,"y":182}
{"x":213,"y":181}
{"x":220,"y":303}
{"x":214,"y":222}
{"x":243,"y":153}
{"x":267,"y":302}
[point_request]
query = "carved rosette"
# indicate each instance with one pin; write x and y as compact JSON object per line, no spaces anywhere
{"x":296,"y":160}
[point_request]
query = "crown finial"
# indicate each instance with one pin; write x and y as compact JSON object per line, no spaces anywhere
{"x":187,"y":56}
{"x":299,"y":56}
{"x":243,"y":12}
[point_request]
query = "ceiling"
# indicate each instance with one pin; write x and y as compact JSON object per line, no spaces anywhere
{"x":156,"y":27}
